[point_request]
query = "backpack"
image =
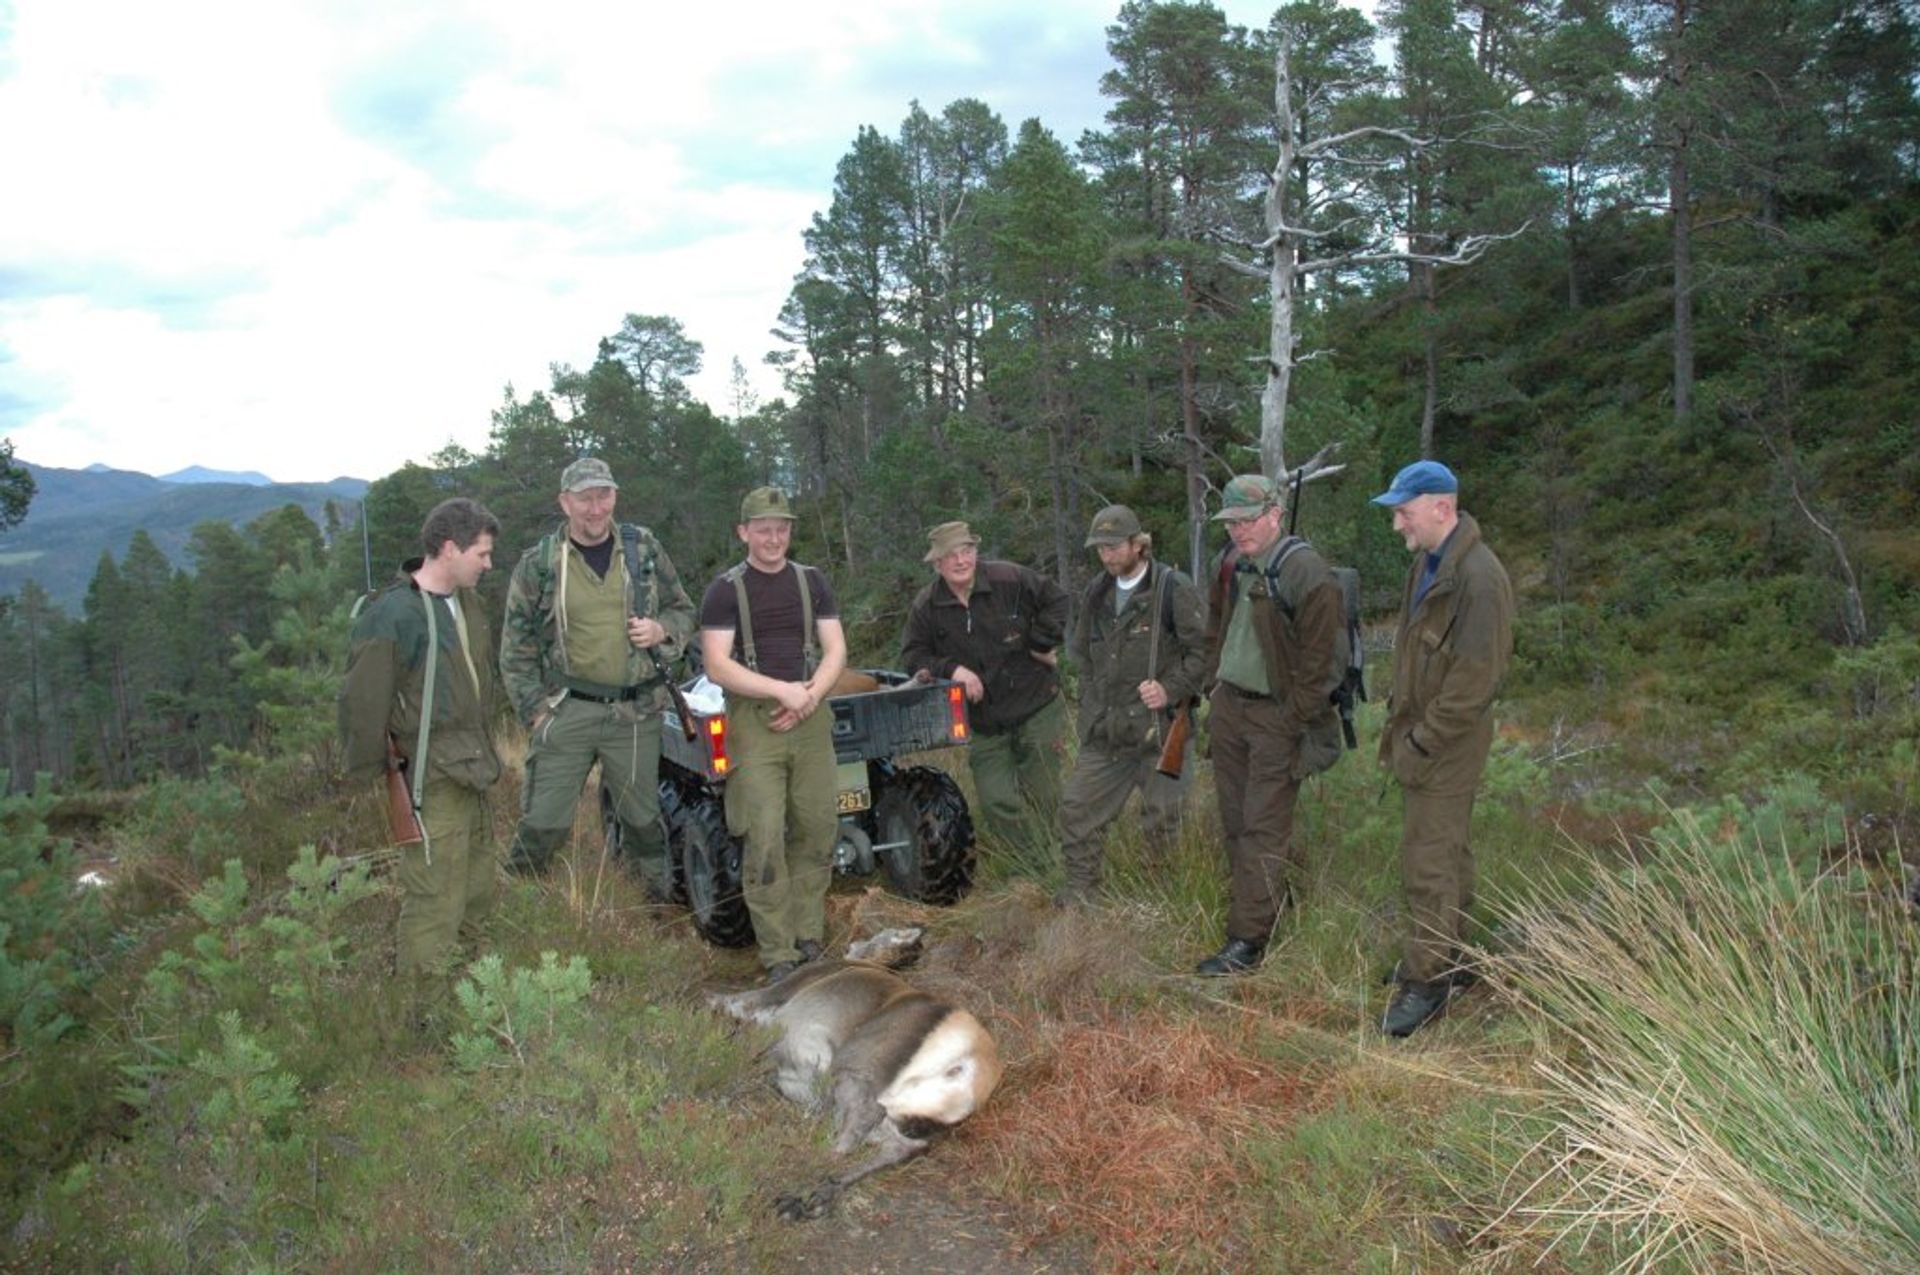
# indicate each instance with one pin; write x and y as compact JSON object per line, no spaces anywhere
{"x":1353,"y":684}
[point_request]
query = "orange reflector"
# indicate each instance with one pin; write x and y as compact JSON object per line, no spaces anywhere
{"x":717,"y":743}
{"x":957,"y":729}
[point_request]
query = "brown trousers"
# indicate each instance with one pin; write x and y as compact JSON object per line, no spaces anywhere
{"x":1436,"y":867}
{"x":1253,"y":777}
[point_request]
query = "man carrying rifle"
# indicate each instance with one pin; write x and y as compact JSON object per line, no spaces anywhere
{"x":596,"y":620}
{"x":1275,"y":626}
{"x":424,"y":641}
{"x":1139,"y":640}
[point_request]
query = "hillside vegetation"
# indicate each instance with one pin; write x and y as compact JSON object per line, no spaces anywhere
{"x":1680,"y":401}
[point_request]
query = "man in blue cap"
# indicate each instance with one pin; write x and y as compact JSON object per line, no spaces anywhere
{"x":1449,"y":657}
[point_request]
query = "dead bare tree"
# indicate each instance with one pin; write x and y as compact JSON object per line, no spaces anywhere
{"x":1335,"y":168}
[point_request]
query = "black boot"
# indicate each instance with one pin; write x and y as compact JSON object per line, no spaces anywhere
{"x":1237,"y":957}
{"x":1414,"y":1006}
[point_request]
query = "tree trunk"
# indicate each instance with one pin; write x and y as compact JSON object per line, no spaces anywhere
{"x":1282,"y":277}
{"x":1679,"y":182}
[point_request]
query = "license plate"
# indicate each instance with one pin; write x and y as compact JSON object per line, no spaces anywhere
{"x":854,"y":795}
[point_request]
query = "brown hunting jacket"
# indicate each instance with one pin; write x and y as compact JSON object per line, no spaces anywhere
{"x":1449,"y":658}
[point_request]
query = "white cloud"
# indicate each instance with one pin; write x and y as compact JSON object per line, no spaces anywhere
{"x":318,"y":238}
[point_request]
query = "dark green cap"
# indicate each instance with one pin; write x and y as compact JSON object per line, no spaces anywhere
{"x":765,"y":502}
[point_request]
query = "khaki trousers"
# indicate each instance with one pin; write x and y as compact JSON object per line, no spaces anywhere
{"x":1436,"y":868}
{"x":1253,"y":777}
{"x":780,"y":803}
{"x":450,"y":898}
{"x":1016,"y":776}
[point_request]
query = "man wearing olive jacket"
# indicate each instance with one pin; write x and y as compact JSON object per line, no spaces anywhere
{"x":424,"y":641}
{"x":1139,"y":640}
{"x":1449,"y":657}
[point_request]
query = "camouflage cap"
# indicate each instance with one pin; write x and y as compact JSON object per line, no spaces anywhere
{"x":1247,"y":496}
{"x":1114,"y":525}
{"x":948,"y":537}
{"x":588,"y":471}
{"x":765,"y":502}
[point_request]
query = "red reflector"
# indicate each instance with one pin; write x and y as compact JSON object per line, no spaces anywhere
{"x":717,"y":743}
{"x":957,"y":728}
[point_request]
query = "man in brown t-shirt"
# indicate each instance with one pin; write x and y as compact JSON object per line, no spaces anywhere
{"x":777,"y":653}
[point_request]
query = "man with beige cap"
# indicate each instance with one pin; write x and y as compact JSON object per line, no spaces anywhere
{"x":1139,"y":641}
{"x":771,"y":637}
{"x":995,"y":628}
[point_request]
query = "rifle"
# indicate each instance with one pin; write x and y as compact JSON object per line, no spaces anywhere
{"x":403,"y":821}
{"x":1173,"y":746}
{"x":680,"y":704}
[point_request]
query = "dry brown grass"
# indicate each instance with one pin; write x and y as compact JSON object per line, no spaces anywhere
{"x":1129,"y":1130}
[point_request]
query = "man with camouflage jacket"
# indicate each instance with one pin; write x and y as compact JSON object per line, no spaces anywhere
{"x":596,"y":621}
{"x":422,"y":637}
{"x":1140,"y":643}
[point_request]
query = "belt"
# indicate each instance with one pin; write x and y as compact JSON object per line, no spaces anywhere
{"x":600,"y":694}
{"x":1243,"y":693}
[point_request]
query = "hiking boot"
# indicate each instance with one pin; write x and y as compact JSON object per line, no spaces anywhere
{"x":810,"y":950}
{"x":1414,"y":1006}
{"x":779,"y":970}
{"x":1237,"y":957}
{"x":1076,"y":896}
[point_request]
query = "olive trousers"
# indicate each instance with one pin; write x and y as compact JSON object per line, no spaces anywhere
{"x":626,"y":743}
{"x":1016,"y":776}
{"x":1097,"y":792}
{"x":780,"y":803}
{"x":449,"y":885}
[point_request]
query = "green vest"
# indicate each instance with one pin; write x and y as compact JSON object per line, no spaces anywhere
{"x":596,"y":620}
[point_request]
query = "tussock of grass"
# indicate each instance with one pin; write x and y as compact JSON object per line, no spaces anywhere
{"x":1131,"y":1131}
{"x":1743,"y":1082}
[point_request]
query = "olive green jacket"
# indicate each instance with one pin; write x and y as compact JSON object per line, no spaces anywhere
{"x":385,"y":687}
{"x":533,"y":650}
{"x":1112,"y":652}
{"x":1449,"y":658}
{"x":1305,"y":654}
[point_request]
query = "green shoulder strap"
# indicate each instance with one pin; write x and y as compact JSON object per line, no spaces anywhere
{"x":426,"y":722}
{"x":810,"y":639}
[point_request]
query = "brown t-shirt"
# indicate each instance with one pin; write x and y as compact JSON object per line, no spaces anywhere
{"x":773,"y":601}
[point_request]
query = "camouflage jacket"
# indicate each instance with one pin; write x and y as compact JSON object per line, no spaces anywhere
{"x":386,"y":683}
{"x":1113,"y":652}
{"x":533,"y":650}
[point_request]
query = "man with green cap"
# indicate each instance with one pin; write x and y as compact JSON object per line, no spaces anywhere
{"x":995,"y":628}
{"x":1449,"y":657}
{"x":423,"y":640}
{"x":1139,"y":640}
{"x":596,"y":622}
{"x":771,"y":638}
{"x":1276,"y":649}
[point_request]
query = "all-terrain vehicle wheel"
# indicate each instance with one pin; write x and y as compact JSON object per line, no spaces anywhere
{"x":923,"y":834}
{"x":706,"y":866}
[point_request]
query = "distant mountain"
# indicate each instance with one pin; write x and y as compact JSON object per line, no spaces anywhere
{"x":201,"y":474}
{"x":77,"y":514}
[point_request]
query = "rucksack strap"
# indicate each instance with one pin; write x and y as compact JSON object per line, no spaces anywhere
{"x":809,"y":639}
{"x":419,"y":787}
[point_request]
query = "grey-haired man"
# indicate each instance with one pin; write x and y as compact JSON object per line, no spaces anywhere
{"x":1449,"y":658}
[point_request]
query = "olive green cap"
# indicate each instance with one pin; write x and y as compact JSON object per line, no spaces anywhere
{"x":765,"y":502}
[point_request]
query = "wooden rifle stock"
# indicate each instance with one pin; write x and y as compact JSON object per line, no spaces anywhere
{"x":680,"y":704}
{"x":403,"y":821}
{"x":1173,"y":745}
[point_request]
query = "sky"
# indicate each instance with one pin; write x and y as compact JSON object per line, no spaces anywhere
{"x":316,"y":238}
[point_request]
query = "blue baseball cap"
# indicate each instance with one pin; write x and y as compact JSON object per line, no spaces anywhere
{"x":1422,"y":478}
